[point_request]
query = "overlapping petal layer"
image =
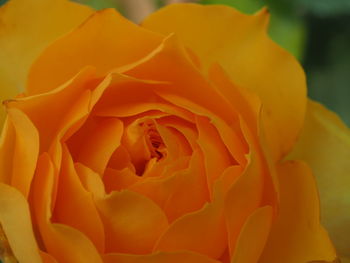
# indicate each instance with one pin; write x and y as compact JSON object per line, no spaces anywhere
{"x":161,"y":144}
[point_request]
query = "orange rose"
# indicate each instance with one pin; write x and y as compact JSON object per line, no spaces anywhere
{"x":155,"y":143}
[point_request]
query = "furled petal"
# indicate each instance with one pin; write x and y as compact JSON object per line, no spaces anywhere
{"x":160,"y":257}
{"x":26,"y":28}
{"x":243,"y":198}
{"x":241,"y":45}
{"x":216,"y":155}
{"x":73,"y":199}
{"x":15,"y":220}
{"x":325,"y":145}
{"x":296,"y":235}
{"x":65,"y":243}
{"x":132,"y":222}
{"x":24,"y":151}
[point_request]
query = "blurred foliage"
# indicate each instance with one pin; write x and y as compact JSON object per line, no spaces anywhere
{"x":317,"y":32}
{"x":327,"y":62}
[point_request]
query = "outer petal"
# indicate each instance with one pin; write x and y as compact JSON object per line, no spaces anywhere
{"x":24,"y":151}
{"x":16,"y":223}
{"x":240,"y":44}
{"x":325,"y":145}
{"x":26,"y":28}
{"x":296,"y":235}
{"x":251,"y":240}
{"x":106,"y":40}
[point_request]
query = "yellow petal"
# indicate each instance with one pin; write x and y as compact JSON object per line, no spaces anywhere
{"x":73,"y":199}
{"x":296,"y":235}
{"x":132,"y":222}
{"x":96,"y":141}
{"x":105,"y":41}
{"x":243,"y":198}
{"x":23,"y":151}
{"x":159,"y":257}
{"x":325,"y":145}
{"x":240,"y":44}
{"x":65,"y":243}
{"x":15,"y":220}
{"x":90,"y":180}
{"x":26,"y":28}
{"x":216,"y":155}
{"x":251,"y":240}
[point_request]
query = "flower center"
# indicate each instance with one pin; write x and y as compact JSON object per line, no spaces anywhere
{"x":154,"y":141}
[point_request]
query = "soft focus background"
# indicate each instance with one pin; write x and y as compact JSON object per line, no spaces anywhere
{"x":317,"y":32}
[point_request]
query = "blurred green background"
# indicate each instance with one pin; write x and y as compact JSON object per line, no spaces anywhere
{"x":317,"y":32}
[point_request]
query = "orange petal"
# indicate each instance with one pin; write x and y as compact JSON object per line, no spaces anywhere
{"x":297,"y":235}
{"x":203,"y":231}
{"x":98,"y":142}
{"x":216,"y":155}
{"x":129,"y":96}
{"x":188,"y":88}
{"x":7,"y":146}
{"x":65,"y":243}
{"x":59,"y":102}
{"x":106,"y":41}
{"x":23,"y":148}
{"x":242,"y":199}
{"x":116,"y":180}
{"x":73,"y":199}
{"x":184,"y":80}
{"x":171,"y":192}
{"x":91,"y":180}
{"x":132,"y":222}
{"x":26,"y":28}
{"x":325,"y":145}
{"x":15,"y":220}
{"x":246,"y":103}
{"x":159,"y":257}
{"x":253,"y":236}
{"x":47,"y":258}
{"x":240,"y":44}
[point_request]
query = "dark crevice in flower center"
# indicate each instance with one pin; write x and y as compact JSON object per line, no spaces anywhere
{"x":154,"y":141}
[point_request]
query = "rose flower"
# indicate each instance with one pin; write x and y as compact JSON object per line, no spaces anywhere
{"x":164,"y":142}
